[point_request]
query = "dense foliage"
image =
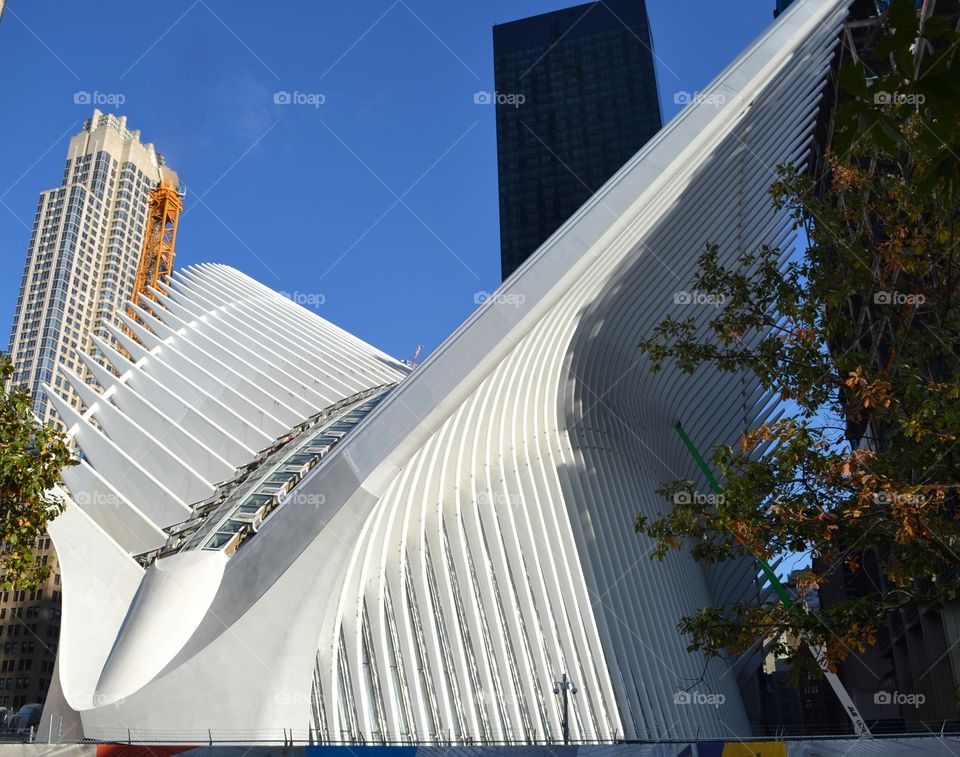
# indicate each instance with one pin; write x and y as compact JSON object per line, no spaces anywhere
{"x":32,"y":454}
{"x":860,"y":336}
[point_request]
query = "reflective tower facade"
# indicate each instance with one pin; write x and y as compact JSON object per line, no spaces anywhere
{"x":576,"y":98}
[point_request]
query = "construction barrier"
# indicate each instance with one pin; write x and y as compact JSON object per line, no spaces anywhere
{"x":894,"y":746}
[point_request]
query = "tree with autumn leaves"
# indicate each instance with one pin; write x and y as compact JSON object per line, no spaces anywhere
{"x":860,"y":337}
{"x":32,"y":454}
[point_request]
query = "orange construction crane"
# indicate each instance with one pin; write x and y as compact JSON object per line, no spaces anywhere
{"x":156,"y":260}
{"x":416,"y":356}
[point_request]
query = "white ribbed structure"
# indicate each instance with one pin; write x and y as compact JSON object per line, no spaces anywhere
{"x":471,"y":539}
{"x":226,"y":367}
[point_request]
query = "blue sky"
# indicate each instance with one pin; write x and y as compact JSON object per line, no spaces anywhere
{"x":379,"y":206}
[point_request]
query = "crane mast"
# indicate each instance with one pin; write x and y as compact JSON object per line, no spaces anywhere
{"x":156,"y":260}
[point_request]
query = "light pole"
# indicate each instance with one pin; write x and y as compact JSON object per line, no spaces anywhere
{"x":561,"y":687}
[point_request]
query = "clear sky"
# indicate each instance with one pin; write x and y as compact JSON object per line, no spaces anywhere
{"x":378,"y":206}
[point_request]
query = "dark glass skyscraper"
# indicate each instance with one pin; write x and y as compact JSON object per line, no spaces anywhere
{"x":576,"y":97}
{"x":782,"y":5}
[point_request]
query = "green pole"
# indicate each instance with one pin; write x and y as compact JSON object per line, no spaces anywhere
{"x":859,"y":724}
{"x":778,"y":587}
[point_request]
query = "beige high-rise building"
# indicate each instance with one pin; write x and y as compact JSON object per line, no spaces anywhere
{"x":80,"y":269}
{"x":83,"y":255}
